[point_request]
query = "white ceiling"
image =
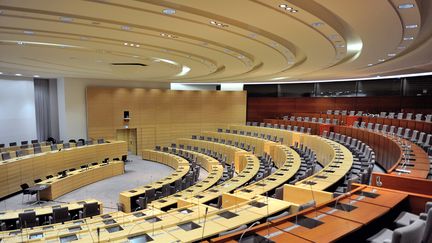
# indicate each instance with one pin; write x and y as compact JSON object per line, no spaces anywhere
{"x":258,"y":41}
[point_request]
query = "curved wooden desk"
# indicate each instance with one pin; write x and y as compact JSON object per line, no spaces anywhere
{"x":181,"y":166}
{"x":26,"y":169}
{"x":232,"y":153}
{"x":58,"y":186}
{"x":288,"y":163}
{"x":215,"y":172}
{"x":261,"y":145}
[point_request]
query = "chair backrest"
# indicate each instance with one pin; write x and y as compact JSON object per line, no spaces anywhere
{"x":38,"y":150}
{"x":20,"y":153}
{"x":80,"y":143}
{"x":24,"y":186}
{"x":53,"y":147}
{"x":304,"y":206}
{"x":428,"y":138}
{"x":428,"y":118}
{"x":410,"y":233}
{"x":409,"y":116}
{"x":61,"y":215}
{"x":399,"y":115}
{"x":418,"y":117}
{"x":391,"y":115}
{"x":427,"y":235}
{"x":24,"y":142}
{"x":91,"y":209}
{"x":142,"y":202}
{"x":34,"y":141}
{"x":6,"y":156}
{"x":27,"y":219}
{"x":13,"y":144}
{"x":66,"y":145}
{"x":279,"y":193}
{"x":151,"y":193}
{"x":351,"y":113}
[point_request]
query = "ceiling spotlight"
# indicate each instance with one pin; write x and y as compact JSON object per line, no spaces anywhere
{"x":283,"y":6}
{"x":381,"y":60}
{"x":137,"y":45}
{"x":169,"y":11}
{"x":36,"y":76}
{"x":125,"y":44}
{"x":317,"y":24}
{"x":66,"y":19}
{"x":406,"y":5}
{"x":18,"y":74}
{"x":294,"y":11}
{"x":131,"y":44}
{"x":408,"y":38}
{"x":411,"y":26}
{"x":28,"y":32}
{"x":218,"y":24}
{"x":125,"y":27}
{"x":391,"y":54}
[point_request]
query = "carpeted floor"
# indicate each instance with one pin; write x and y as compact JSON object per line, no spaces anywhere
{"x":138,"y":172}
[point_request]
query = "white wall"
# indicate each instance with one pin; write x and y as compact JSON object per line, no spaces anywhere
{"x":72,"y":102}
{"x":17,"y":110}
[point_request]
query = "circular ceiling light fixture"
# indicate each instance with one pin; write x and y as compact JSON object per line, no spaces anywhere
{"x":169,"y":11}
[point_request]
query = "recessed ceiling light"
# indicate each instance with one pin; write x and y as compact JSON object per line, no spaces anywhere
{"x":218,"y":24}
{"x":132,"y":44}
{"x":381,"y":60}
{"x":241,"y":56}
{"x":125,"y":43}
{"x":391,"y":54}
{"x":36,"y":76}
{"x":294,"y":11}
{"x":283,"y":6}
{"x":317,"y":24}
{"x":20,"y":43}
{"x":406,"y":5}
{"x":66,"y":19}
{"x":18,"y":74}
{"x":169,"y":11}
{"x":408,"y":38}
{"x":137,"y":45}
{"x":370,"y":64}
{"x":28,"y":32}
{"x":411,"y":26}
{"x":125,"y":27}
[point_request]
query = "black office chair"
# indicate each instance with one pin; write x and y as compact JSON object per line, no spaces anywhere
{"x":100,"y":140}
{"x":54,"y":147}
{"x":60,"y":215}
{"x":89,"y":210}
{"x":151,"y":194}
{"x":49,"y":176}
{"x":81,"y":140}
{"x":25,"y":189}
{"x":6,"y":156}
{"x":37,"y":180}
{"x":2,"y":145}
{"x":89,"y":142}
{"x":24,"y":142}
{"x":34,"y":141}
{"x":66,"y":145}
{"x":27,"y":219}
{"x":279,"y":193}
{"x":80,"y":143}
{"x":142,"y":203}
{"x":72,"y":141}
{"x":19,"y":153}
{"x":13,"y":144}
{"x":37,"y":150}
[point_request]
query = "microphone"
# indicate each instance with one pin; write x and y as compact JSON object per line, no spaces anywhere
{"x":205,"y":219}
{"x":98,"y":233}
{"x":248,"y":228}
{"x":378,"y":181}
{"x":88,"y":228}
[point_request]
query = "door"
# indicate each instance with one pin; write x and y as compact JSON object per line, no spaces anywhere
{"x":129,"y":136}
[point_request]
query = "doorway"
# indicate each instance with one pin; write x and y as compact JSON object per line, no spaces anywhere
{"x":130,"y":136}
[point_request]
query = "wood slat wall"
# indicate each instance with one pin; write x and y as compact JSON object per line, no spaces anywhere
{"x":161,"y":116}
{"x":259,"y":108}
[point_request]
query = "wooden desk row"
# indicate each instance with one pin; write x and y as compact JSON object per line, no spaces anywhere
{"x":261,"y":145}
{"x":58,"y":185}
{"x":232,"y":153}
{"x":26,"y":169}
{"x":288,"y":163}
{"x":215,"y":172}
{"x":11,"y":216}
{"x":389,"y":151}
{"x":181,"y":166}
{"x":339,"y":162}
{"x":421,"y":126}
{"x":28,"y":147}
{"x":329,"y":222}
{"x":289,"y":137}
{"x":314,"y":126}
